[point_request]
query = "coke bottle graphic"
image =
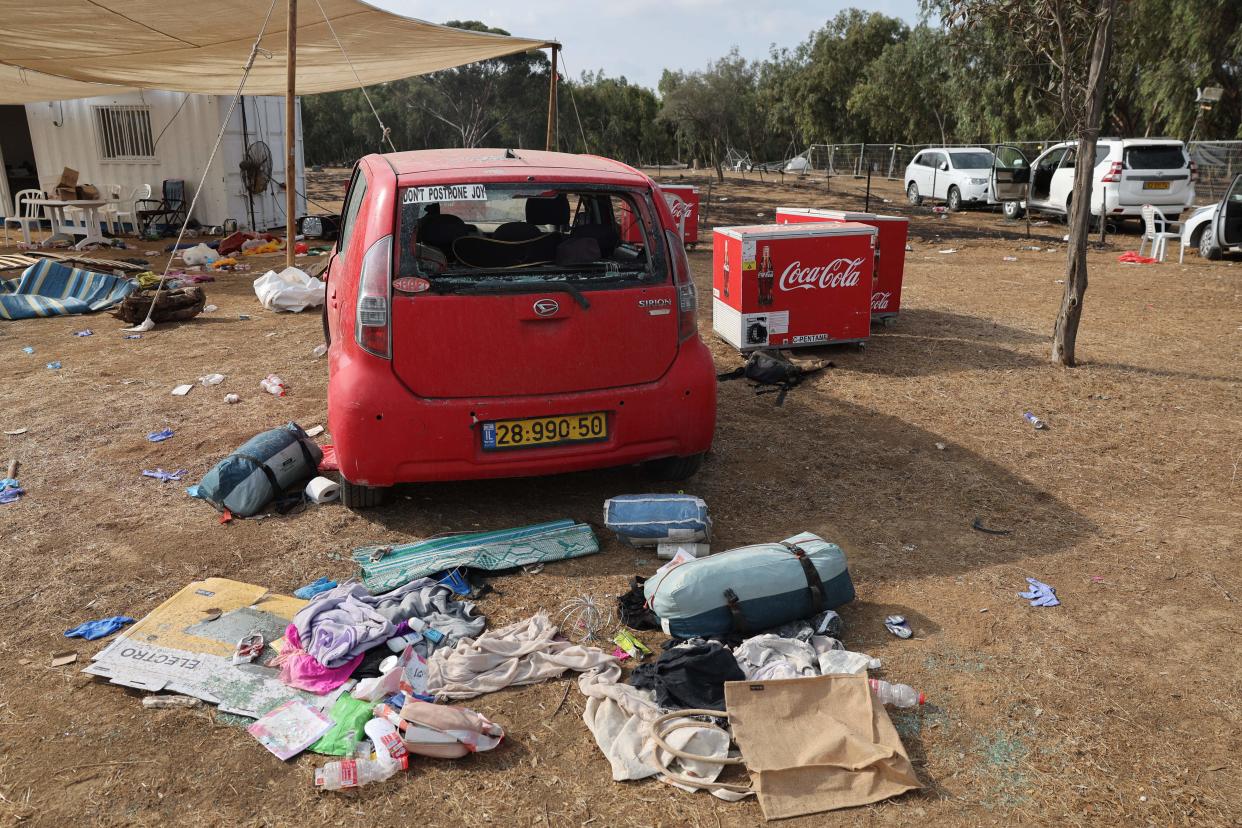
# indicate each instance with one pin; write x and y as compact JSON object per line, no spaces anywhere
{"x":725,"y":276}
{"x":766,"y":278}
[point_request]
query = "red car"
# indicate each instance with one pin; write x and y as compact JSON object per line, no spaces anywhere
{"x":485,"y":318}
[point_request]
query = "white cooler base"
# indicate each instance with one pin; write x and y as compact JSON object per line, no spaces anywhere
{"x":749,"y":332}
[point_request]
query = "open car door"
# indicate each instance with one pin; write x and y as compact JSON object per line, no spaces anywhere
{"x":1228,"y":229}
{"x":1011,"y":173}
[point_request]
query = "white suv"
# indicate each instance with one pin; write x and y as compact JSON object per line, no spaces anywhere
{"x":954,"y":175}
{"x":1129,"y":172}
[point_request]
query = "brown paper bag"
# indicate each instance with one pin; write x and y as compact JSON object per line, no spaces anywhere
{"x":816,"y":744}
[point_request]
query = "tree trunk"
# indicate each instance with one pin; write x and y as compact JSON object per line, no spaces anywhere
{"x":1065,"y":333}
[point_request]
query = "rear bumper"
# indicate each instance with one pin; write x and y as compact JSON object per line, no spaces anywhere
{"x":385,"y":435}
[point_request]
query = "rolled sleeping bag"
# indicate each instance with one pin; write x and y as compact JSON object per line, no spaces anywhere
{"x":752,"y":588}
{"x":652,"y":519}
{"x":260,"y":470}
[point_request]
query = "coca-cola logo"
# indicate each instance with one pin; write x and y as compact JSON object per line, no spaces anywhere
{"x":679,"y":208}
{"x":879,"y":300}
{"x":837,"y":273}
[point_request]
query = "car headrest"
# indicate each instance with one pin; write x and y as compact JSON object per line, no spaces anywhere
{"x":554,"y":210}
{"x":605,"y":234}
{"x":516,"y":231}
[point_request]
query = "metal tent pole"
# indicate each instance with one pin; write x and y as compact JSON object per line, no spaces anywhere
{"x":550,"y":144}
{"x":290,"y":129}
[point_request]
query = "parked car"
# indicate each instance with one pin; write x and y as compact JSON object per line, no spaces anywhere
{"x":1217,"y":228}
{"x":485,"y":318}
{"x":954,"y":175}
{"x":1129,"y":172}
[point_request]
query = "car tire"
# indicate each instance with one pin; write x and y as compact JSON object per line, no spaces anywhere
{"x":912,"y":194}
{"x":954,"y":200}
{"x":1013,"y":210}
{"x":670,"y":469}
{"x":356,"y":496}
{"x":1207,"y":245}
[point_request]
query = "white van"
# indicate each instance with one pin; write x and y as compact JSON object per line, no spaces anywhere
{"x":1129,"y":172}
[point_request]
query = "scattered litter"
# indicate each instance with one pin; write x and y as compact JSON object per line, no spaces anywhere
{"x":1041,"y":594}
{"x":941,"y":211}
{"x":1039,"y":424}
{"x":102,"y":628}
{"x":314,"y":588}
{"x":328,"y":463}
{"x":898,"y":626}
{"x":62,"y":658}
{"x":633,"y":648}
{"x":87,"y":332}
{"x":210,"y":309}
{"x":28,"y":350}
{"x":1040,"y":223}
{"x":941,"y":446}
{"x":248,"y":648}
{"x":898,"y":695}
{"x":10,"y":490}
{"x":909,"y":249}
{"x":978,"y":526}
{"x":652,"y":519}
{"x":273,"y":385}
{"x":1009,"y":259}
{"x":1132,"y":257}
{"x":245,"y":317}
{"x":132,"y":336}
{"x":54,"y":366}
{"x":314,"y":431}
{"x":232,"y":399}
{"x":343,"y":774}
{"x":319,"y":350}
{"x":387,"y":567}
{"x":211,"y":379}
{"x":169,"y":702}
{"x":290,"y":728}
{"x":949,"y":250}
{"x":164,"y":476}
{"x":322,"y":490}
{"x":182,"y":390}
{"x":159,"y":436}
{"x":667,"y":550}
{"x":17,"y":431}
{"x":1097,"y":579}
{"x":1034,"y":247}
{"x":289,"y":290}
{"x":1059,"y":281}
{"x":584,"y":619}
{"x":200,"y":254}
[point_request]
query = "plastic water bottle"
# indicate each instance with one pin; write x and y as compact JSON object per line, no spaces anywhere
{"x":274,"y":385}
{"x":354,"y":773}
{"x":898,"y":695}
{"x":1035,"y":421}
{"x":388,"y":745}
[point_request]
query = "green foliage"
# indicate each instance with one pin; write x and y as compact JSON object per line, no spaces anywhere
{"x":861,"y":77}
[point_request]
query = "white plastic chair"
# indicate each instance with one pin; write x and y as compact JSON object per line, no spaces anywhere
{"x":119,"y":215}
{"x":107,"y":213}
{"x":28,"y":215}
{"x":1156,"y":231}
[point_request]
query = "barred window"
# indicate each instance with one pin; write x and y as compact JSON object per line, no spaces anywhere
{"x":124,"y":133}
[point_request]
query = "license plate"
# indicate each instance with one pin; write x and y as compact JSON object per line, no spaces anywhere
{"x":533,"y":432}
{"x":1155,"y":185}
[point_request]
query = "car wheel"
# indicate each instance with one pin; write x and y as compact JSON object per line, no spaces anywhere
{"x":356,"y":496}
{"x":1207,"y":245}
{"x":912,"y":194}
{"x":1013,"y":210}
{"x":954,"y":201}
{"x":673,"y":468}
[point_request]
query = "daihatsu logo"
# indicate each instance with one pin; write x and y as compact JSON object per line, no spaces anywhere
{"x":547,"y":307}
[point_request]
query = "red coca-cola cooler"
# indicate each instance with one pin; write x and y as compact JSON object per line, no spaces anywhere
{"x":683,"y":200}
{"x":890,"y":252}
{"x":785,"y":286}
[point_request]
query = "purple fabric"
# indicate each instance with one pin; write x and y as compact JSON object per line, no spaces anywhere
{"x":299,"y":668}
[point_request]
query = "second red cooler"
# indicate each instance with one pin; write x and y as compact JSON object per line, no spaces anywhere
{"x":890,"y":253}
{"x":792,"y":285}
{"x":685,"y":206}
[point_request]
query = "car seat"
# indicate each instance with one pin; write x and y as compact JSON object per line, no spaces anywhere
{"x":605,"y":235}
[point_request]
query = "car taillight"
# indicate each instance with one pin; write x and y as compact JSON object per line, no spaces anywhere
{"x":1194,"y":172}
{"x":687,"y":296}
{"x":1113,"y":175}
{"x":374,"y":332}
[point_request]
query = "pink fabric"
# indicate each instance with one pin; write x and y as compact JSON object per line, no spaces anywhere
{"x":299,"y":668}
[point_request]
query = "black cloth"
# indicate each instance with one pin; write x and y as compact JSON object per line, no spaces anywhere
{"x":690,"y":676}
{"x":633,"y":610}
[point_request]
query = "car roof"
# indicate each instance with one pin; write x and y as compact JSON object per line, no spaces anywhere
{"x":504,"y":164}
{"x":1126,"y":142}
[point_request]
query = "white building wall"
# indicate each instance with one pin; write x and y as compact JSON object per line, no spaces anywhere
{"x":63,"y":134}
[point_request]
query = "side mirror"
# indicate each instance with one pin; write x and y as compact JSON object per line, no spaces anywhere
{"x":944,"y":166}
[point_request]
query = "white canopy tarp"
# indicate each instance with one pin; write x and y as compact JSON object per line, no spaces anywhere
{"x":83,"y":48}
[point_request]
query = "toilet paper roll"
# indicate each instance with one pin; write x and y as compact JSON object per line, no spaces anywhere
{"x":322,"y":490}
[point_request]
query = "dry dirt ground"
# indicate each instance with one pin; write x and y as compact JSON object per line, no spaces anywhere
{"x":1119,"y":707}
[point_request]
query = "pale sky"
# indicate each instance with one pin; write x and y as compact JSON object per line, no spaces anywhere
{"x":639,"y":38}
